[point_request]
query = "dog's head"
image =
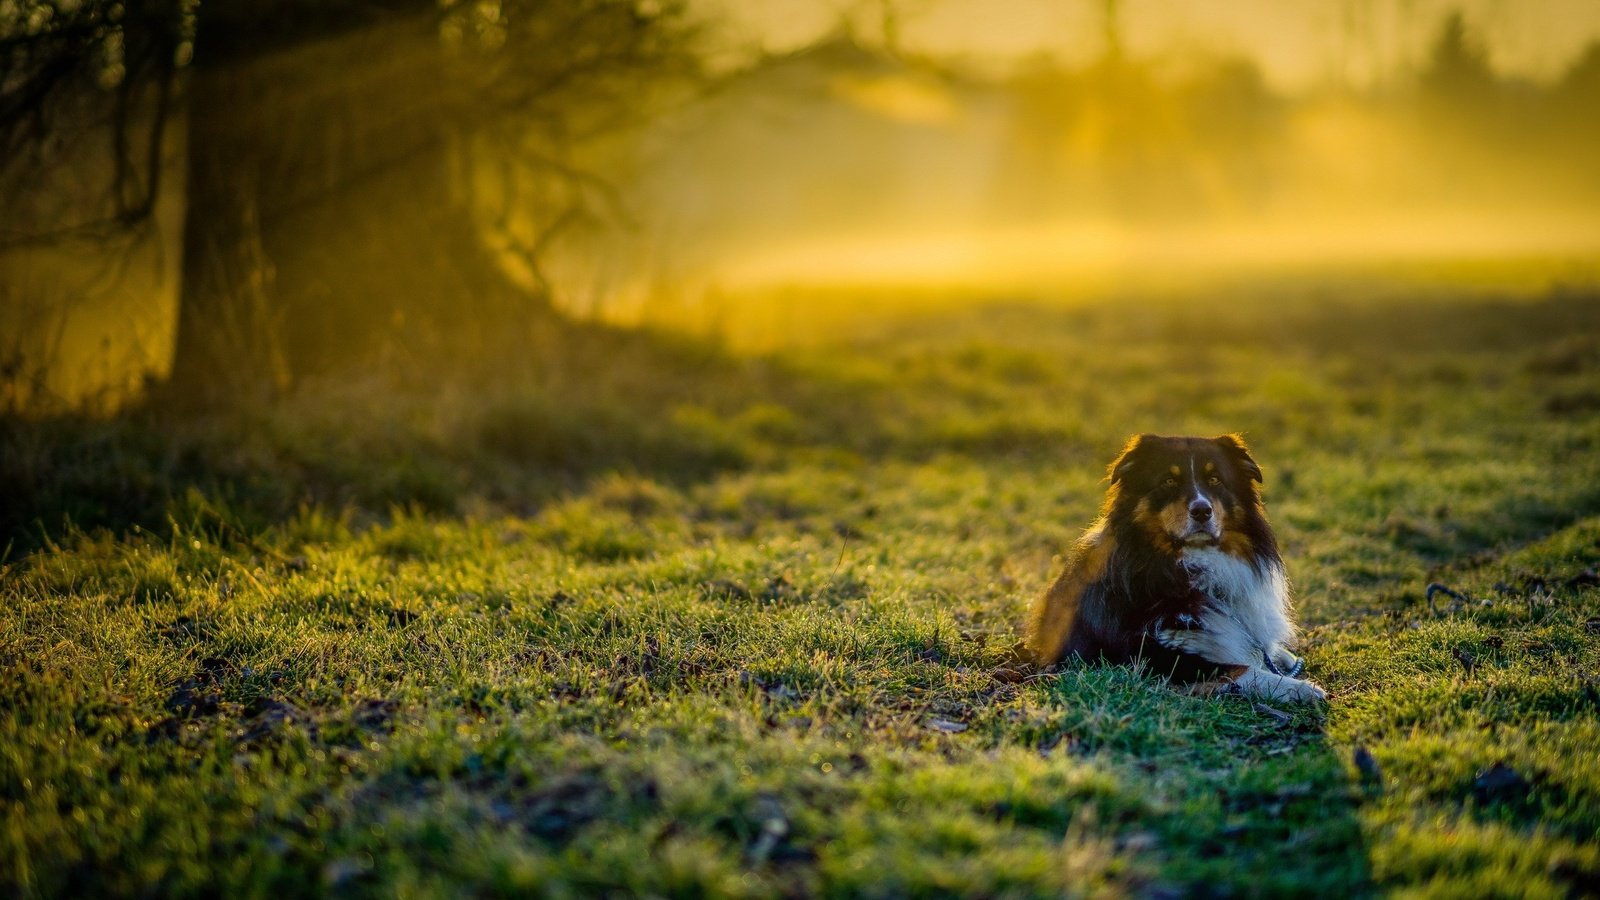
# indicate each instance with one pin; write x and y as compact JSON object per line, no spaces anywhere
{"x":1187,"y":491}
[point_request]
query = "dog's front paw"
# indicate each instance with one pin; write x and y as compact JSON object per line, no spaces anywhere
{"x":1267,"y":686}
{"x":1177,"y":632}
{"x":1305,"y":691}
{"x":1183,"y":639}
{"x":1282,"y":662}
{"x":1296,"y":691}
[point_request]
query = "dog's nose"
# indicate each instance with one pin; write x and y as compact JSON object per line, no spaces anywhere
{"x":1200,"y":510}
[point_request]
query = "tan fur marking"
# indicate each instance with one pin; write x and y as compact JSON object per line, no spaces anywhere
{"x":1173,"y":519}
{"x":1176,"y":471}
{"x":1211,"y":467}
{"x":1050,"y":621}
{"x":1210,"y":688}
{"x":1237,"y":545}
{"x":1146,"y":517}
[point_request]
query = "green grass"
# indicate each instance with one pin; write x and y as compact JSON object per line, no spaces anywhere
{"x":646,"y":617}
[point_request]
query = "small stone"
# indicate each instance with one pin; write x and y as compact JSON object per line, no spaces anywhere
{"x":1499,"y":784}
{"x":342,"y":871}
{"x":1140,"y":842}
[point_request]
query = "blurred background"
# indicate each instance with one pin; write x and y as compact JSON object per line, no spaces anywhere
{"x":206,"y":200}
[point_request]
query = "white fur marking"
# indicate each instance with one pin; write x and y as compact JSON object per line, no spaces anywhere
{"x":1219,"y":638}
{"x":1257,"y":601}
{"x":1245,"y":623}
{"x":1194,"y":482}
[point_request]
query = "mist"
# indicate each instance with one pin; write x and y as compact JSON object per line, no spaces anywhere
{"x":747,"y":151}
{"x":842,"y":162}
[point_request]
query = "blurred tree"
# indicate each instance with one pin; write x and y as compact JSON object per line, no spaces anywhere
{"x":71,"y":68}
{"x":1572,"y":127}
{"x":1231,"y":122}
{"x":1580,"y":86}
{"x":1458,"y":71}
{"x":1048,"y":101}
{"x":333,"y":151}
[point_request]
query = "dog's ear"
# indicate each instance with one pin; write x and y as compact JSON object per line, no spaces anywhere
{"x":1234,"y":446}
{"x":1129,"y":457}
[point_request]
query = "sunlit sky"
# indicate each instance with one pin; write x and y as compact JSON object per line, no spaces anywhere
{"x":1298,"y":43}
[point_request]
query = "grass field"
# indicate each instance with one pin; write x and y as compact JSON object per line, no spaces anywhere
{"x":645,"y":616}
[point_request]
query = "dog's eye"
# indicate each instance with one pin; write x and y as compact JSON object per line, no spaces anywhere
{"x":1171,"y":480}
{"x":1214,"y":480}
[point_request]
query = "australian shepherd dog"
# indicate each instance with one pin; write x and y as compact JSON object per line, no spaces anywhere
{"x":1181,"y":571}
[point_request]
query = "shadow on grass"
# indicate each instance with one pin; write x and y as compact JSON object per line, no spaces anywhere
{"x":509,"y":429}
{"x":1238,"y":797}
{"x":512,"y":429}
{"x":501,"y":431}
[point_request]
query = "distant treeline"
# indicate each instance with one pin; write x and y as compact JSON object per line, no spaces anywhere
{"x":309,"y":186}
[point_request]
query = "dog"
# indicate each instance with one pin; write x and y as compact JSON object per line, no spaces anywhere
{"x":1182,"y":571}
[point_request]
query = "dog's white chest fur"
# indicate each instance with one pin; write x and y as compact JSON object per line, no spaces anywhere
{"x":1245,"y":623}
{"x":1257,"y":600}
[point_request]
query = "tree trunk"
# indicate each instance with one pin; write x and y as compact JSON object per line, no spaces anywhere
{"x":325,"y":224}
{"x":230,"y":325}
